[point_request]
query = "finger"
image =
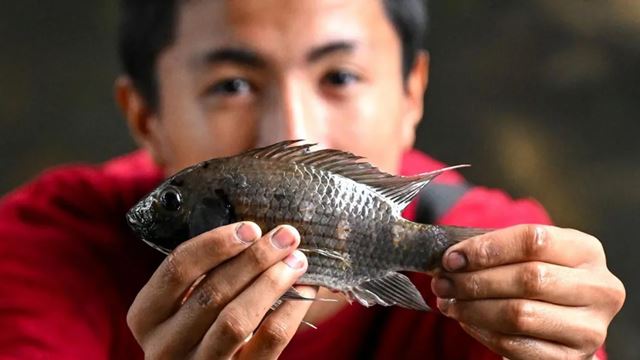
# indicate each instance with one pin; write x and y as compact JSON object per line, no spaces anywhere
{"x":523,"y":243}
{"x":531,"y":280}
{"x":160,"y":297}
{"x":278,"y":328}
{"x":241,"y":317}
{"x":221,"y":285}
{"x":575,"y":327}
{"x":521,"y":347}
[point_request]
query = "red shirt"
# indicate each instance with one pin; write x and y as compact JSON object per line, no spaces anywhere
{"x":70,"y":269}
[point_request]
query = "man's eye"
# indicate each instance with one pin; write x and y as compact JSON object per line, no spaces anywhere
{"x":235,"y":86}
{"x":340,"y":78}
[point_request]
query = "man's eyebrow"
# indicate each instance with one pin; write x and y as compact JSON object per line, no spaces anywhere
{"x":324,"y":50}
{"x":236,"y":55}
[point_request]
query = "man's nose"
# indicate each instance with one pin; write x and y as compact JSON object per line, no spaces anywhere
{"x":294,"y":112}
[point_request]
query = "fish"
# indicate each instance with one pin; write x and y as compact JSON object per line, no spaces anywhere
{"x":347,"y":211}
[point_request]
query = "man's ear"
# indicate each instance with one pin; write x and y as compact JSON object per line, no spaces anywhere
{"x":142,"y":120}
{"x":415,"y":88}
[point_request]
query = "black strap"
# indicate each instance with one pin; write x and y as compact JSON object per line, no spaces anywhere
{"x":435,"y":200}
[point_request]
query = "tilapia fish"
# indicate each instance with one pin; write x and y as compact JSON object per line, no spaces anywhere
{"x":346,"y":210}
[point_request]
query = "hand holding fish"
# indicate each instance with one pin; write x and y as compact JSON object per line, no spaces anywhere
{"x":524,"y":291}
{"x":531,"y":291}
{"x":245,"y":274}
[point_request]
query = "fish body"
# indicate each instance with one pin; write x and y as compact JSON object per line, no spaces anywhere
{"x":347,"y":213}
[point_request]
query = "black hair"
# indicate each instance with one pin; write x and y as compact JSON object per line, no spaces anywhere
{"x":147,"y":27}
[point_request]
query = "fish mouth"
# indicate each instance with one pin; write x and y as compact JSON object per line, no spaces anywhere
{"x":139,"y":217}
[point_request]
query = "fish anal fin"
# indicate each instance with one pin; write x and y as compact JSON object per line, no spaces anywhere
{"x":392,"y":289}
{"x":400,"y":190}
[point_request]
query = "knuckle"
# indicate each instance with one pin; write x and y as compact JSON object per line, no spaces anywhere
{"x":173,"y":270}
{"x":619,"y":294}
{"x":158,"y":348}
{"x":258,"y":255}
{"x":590,"y":242}
{"x":594,"y":338}
{"x":503,"y":344}
{"x":565,"y":353}
{"x":132,"y":322}
{"x":534,"y":278}
{"x":573,"y":354}
{"x":524,"y":346}
{"x":486,"y":251}
{"x":278,"y":279}
{"x":520,"y":316}
{"x":156,"y":353}
{"x":535,"y":240}
{"x":473,"y":286}
{"x":218,"y":239}
{"x":613,"y":291}
{"x":596,"y":247}
{"x":275,"y":333}
{"x":211,"y":296}
{"x":274,"y":279}
{"x":234,"y":325}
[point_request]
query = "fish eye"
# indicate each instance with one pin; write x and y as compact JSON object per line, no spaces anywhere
{"x":170,"y":199}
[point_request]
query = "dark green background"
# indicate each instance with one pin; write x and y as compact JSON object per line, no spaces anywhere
{"x":541,"y":96}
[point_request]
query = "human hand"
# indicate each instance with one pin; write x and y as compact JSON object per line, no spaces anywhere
{"x":222,"y":315}
{"x":531,"y":291}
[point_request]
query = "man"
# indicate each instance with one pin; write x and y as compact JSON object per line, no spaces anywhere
{"x":212,"y":78}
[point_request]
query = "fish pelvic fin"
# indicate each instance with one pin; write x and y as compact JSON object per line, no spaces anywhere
{"x":293,"y":294}
{"x":400,"y":190}
{"x":391,"y":289}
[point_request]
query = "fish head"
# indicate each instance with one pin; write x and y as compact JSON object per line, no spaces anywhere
{"x":184,"y":206}
{"x":160,"y":218}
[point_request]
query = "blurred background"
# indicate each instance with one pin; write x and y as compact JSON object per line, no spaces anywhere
{"x":542,"y":97}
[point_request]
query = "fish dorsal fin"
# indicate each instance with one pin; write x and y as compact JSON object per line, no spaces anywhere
{"x":400,"y":190}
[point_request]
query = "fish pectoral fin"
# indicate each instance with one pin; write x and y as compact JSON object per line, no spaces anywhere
{"x":293,"y":294}
{"x":392,"y":289}
{"x":337,"y":255}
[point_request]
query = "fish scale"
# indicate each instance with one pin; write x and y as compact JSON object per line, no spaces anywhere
{"x":346,"y":211}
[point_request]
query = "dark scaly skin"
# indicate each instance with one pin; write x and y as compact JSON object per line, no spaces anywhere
{"x":331,"y":213}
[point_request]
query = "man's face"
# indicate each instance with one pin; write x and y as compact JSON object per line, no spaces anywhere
{"x":242,"y":74}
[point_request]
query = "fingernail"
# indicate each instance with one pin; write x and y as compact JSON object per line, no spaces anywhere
{"x":455,"y":261}
{"x":443,"y":287}
{"x":295,"y":260}
{"x":445,"y":304}
{"x":283,"y":238}
{"x":247,"y":233}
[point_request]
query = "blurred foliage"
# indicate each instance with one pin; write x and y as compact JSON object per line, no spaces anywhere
{"x":542,"y":97}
